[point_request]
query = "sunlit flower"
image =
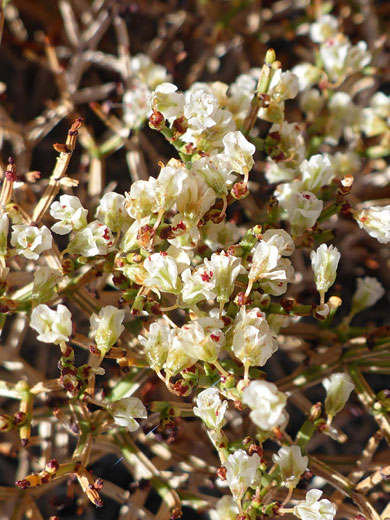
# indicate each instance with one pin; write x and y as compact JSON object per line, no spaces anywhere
{"x":267,"y":404}
{"x":338,"y":389}
{"x":314,"y":509}
{"x":30,"y":241}
{"x":53,"y":326}
{"x":210,"y":408}
{"x":241,"y":472}
{"x":124,"y":411}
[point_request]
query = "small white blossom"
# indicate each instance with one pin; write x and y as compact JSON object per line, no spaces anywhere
{"x":324,"y":262}
{"x":239,"y":152}
{"x":200,"y":110}
{"x":223,"y":270}
{"x":106,"y":327}
{"x":314,"y":509}
{"x":303,"y":211}
{"x":45,"y":280}
{"x":180,"y":349}
{"x":53,"y":326}
{"x":226,"y":509}
{"x":368,"y":292}
{"x":312,"y":101}
{"x":267,"y":404}
{"x":141,"y":202}
{"x":281,"y":239}
{"x":197,"y":286}
{"x":156,"y":344}
{"x":124,"y":411}
{"x":195,"y":199}
{"x":221,"y":235}
{"x":112,"y":211}
{"x":147,"y":71}
{"x":30,"y":241}
{"x":202,"y":339}
{"x":324,"y":28}
{"x":95,"y":239}
{"x":210,"y":408}
{"x":376,"y":222}
{"x":316,"y":172}
{"x":171,"y":183}
{"x":71,"y":214}
{"x":135,"y":105}
{"x":253,"y":341}
{"x":163,"y":273}
{"x":307,"y":74}
{"x":216,"y":171}
{"x":291,"y":463}
{"x":241,"y":472}
{"x":166,"y":100}
{"x":283,"y":85}
{"x":338,"y":389}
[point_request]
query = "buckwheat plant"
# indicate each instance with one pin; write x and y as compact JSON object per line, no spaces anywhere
{"x":199,"y":325}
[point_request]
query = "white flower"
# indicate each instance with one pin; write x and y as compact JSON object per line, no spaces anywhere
{"x":253,"y":341}
{"x":179,"y":356}
{"x":338,"y":389}
{"x":95,"y":239}
{"x":124,"y":411}
{"x":195,"y":199}
{"x":324,"y":262}
{"x":223,"y":270}
{"x":197,"y":286}
{"x":307,"y":74}
{"x":314,"y":509}
{"x":291,"y":463}
{"x":135,"y":105}
{"x":282,"y":275}
{"x":312,"y":101}
{"x":53,"y":326}
{"x":166,"y":100}
{"x":226,"y":509}
{"x":210,"y":408}
{"x":281,"y":239}
{"x":267,"y":404}
{"x":241,"y":472}
{"x":381,"y":104}
{"x":316,"y":172}
{"x":30,"y":241}
{"x":71,"y":214}
{"x":376,"y":222}
{"x":171,"y":183}
{"x":45,"y":280}
{"x":147,"y":71}
{"x":156,"y":344}
{"x":239,"y":152}
{"x":334,"y":55}
{"x":358,"y":57}
{"x":163,"y":273}
{"x":106,"y":327}
{"x":283,"y":85}
{"x":264,"y":260}
{"x":141,"y":202}
{"x":368,"y":292}
{"x":221,"y":235}
{"x":324,"y":28}
{"x":202,"y":339}
{"x":4,"y":225}
{"x":303,"y":211}
{"x":216,"y":171}
{"x":371,"y":124}
{"x":112,"y":211}
{"x":200,"y":110}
